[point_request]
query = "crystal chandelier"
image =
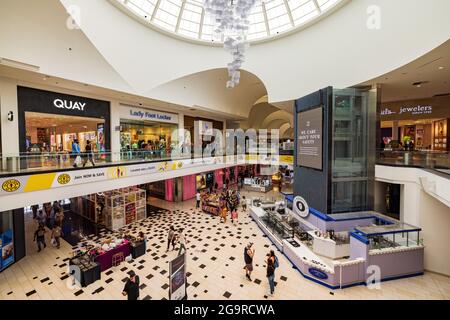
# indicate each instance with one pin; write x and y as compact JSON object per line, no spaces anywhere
{"x":231,"y":20}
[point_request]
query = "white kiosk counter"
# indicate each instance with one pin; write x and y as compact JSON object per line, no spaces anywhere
{"x":329,"y":248}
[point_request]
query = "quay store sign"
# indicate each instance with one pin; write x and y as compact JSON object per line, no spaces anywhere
{"x":133,"y":113}
{"x":69,"y":104}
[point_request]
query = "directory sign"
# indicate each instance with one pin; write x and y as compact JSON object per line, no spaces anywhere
{"x":309,"y":138}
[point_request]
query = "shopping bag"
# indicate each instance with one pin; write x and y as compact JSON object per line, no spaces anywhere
{"x":77,"y":160}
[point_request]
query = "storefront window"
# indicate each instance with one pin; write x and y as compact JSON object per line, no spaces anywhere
{"x":148,"y":136}
{"x":6,"y":239}
{"x":56,"y":133}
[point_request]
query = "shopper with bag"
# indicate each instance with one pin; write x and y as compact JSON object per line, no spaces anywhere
{"x":76,"y":151}
{"x":271,"y":261}
{"x":88,"y":154}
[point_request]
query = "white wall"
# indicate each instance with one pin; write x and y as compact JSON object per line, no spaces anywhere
{"x":9,"y":129}
{"x":419,"y":208}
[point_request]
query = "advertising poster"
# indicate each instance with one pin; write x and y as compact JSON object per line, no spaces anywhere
{"x":130,"y":213}
{"x":309,"y":138}
{"x":177,"y":270}
{"x":101,"y":139}
{"x":7,"y":248}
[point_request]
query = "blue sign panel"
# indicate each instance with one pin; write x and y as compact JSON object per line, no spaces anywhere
{"x":318,"y":273}
{"x":7,"y":249}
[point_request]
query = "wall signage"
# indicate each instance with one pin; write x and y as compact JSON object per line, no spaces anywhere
{"x":300,"y":207}
{"x":177,"y":278}
{"x":133,"y":113}
{"x":408,"y":110}
{"x":318,"y":273}
{"x":69,"y":104}
{"x":309,"y":138}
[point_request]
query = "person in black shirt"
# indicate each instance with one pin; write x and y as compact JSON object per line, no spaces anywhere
{"x":131,"y":289}
{"x":88,"y":155}
{"x":248,"y":258}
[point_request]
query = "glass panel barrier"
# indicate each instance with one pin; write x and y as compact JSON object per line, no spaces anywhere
{"x":434,"y":160}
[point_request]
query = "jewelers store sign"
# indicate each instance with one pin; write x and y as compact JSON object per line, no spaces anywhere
{"x":309,"y":138}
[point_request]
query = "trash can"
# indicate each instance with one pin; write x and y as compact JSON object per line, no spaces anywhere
{"x":12,"y":164}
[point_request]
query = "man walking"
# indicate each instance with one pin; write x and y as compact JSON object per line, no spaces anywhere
{"x":272,"y":264}
{"x":39,"y":236}
{"x":131,"y":289}
{"x":198,"y":198}
{"x":182,"y":240}
{"x":170,"y":237}
{"x":249,"y":253}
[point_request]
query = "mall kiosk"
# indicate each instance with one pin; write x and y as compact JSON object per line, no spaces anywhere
{"x":333,"y":238}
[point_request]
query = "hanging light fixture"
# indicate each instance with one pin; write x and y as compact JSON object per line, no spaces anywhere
{"x":231,"y":20}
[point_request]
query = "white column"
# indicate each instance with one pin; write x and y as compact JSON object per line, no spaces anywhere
{"x":115,"y":134}
{"x":180,"y":127}
{"x":9,"y":129}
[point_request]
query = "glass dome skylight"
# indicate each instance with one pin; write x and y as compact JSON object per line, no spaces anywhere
{"x":187,"y":17}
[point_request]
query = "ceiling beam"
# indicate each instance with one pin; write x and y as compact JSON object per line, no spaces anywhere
{"x":263,"y":5}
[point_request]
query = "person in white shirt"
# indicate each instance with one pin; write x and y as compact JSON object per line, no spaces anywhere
{"x":182,"y":240}
{"x":198,"y":198}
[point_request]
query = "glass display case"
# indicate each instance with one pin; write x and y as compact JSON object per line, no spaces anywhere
{"x":113,"y":209}
{"x":391,"y":236}
{"x":277,"y":225}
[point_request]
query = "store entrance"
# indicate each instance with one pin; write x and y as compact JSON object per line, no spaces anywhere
{"x":49,"y":137}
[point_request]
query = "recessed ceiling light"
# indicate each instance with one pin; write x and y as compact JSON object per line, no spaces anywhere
{"x":440,"y":68}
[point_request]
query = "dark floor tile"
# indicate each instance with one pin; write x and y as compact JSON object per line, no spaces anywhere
{"x":165,"y":286}
{"x":202,"y":266}
{"x":109,"y":272}
{"x":64,"y":277}
{"x":257,"y":281}
{"x":78,"y":292}
{"x":283,"y":278}
{"x":196,"y":284}
{"x":227,"y":294}
{"x":45,"y":279}
{"x":147,"y":297}
{"x":109,"y":280}
{"x":30,"y":293}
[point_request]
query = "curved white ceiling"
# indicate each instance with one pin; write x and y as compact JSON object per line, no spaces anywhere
{"x":116,"y":52}
{"x":187,"y":18}
{"x":342,"y":50}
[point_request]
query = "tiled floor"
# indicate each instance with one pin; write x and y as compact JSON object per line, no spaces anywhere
{"x":215,"y":254}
